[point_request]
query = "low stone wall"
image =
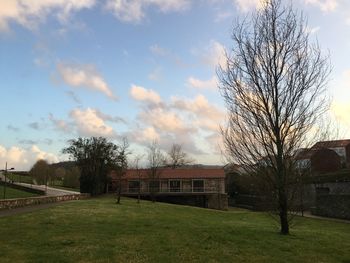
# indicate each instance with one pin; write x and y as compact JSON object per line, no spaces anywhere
{"x":332,"y":205}
{"x":20,"y":202}
{"x":212,"y":201}
{"x":218,"y":201}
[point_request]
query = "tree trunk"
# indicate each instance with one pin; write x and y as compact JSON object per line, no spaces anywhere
{"x":119,"y":191}
{"x":283,"y":212}
{"x":139,"y":192}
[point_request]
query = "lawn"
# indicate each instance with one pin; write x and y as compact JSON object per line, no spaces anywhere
{"x":98,"y":230}
{"x":14,"y":193}
{"x":19,"y":178}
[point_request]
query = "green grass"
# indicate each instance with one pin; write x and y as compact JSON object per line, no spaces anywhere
{"x":98,"y":230}
{"x":19,"y":178}
{"x":14,"y":193}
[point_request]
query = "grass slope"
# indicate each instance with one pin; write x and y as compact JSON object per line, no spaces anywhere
{"x":19,"y":178}
{"x":14,"y":193}
{"x":98,"y":230}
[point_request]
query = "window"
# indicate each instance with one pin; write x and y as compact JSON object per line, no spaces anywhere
{"x":134,"y":186}
{"x":198,"y":185}
{"x":154,"y":186}
{"x":175,"y":185}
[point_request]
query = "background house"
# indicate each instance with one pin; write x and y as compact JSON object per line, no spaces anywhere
{"x":318,"y":160}
{"x":341,"y":147}
{"x":203,"y":187}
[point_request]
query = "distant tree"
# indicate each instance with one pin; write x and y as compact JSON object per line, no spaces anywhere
{"x":71,"y":177}
{"x":155,"y":162}
{"x":274,"y":89}
{"x":121,"y":164}
{"x":59,"y":174}
{"x":136,"y":167}
{"x":40,"y":171}
{"x":176,"y":157}
{"x":95,"y":157}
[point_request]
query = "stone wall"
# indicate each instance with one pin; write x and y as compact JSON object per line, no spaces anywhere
{"x":332,"y":205}
{"x":212,"y":201}
{"x":218,"y":201}
{"x":20,"y":202}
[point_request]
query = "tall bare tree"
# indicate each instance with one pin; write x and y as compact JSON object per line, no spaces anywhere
{"x":121,"y":164}
{"x":136,"y":167}
{"x":155,"y":162}
{"x":274,"y":89}
{"x":176,"y":157}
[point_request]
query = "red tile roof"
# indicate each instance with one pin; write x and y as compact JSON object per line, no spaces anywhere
{"x":332,"y":144}
{"x":179,"y":173}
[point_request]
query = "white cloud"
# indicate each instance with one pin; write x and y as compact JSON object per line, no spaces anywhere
{"x":29,"y":13}
{"x":212,"y":55}
{"x":141,"y":94}
{"x":60,"y":125}
{"x":149,"y":134}
{"x":181,"y":120}
{"x":324,"y":5}
{"x":84,"y":76}
{"x":246,"y":5}
{"x":163,"y":120}
{"x":24,"y":158}
{"x":89,"y":123}
{"x":202,"y":84}
{"x":206,"y":115}
{"x":133,"y":11}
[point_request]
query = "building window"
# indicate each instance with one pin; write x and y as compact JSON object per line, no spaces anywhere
{"x":154,"y":186}
{"x":175,"y":185}
{"x":134,"y":186}
{"x":198,"y":185}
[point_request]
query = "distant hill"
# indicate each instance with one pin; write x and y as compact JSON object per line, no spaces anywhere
{"x":66,"y":165}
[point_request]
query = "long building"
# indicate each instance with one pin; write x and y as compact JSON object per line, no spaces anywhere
{"x":203,"y":187}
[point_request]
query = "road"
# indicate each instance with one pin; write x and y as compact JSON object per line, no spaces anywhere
{"x":50,"y":191}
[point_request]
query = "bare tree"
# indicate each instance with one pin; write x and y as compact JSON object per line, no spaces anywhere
{"x":274,"y":89}
{"x":155,"y":161}
{"x":176,"y":157}
{"x":121,"y":164}
{"x":40,"y":171}
{"x":136,"y":166}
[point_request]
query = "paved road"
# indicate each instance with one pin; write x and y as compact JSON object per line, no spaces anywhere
{"x":50,"y":191}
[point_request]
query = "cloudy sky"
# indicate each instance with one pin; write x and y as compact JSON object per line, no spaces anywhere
{"x":144,"y":69}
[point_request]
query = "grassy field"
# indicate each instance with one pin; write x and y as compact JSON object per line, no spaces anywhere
{"x":14,"y":193}
{"x":19,"y":178}
{"x":98,"y":230}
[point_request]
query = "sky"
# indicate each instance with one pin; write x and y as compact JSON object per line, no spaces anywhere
{"x":141,"y":69}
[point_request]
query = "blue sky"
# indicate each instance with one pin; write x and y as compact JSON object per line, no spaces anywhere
{"x":144,"y":69}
